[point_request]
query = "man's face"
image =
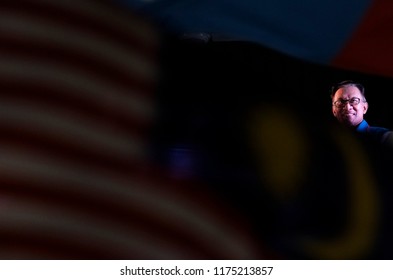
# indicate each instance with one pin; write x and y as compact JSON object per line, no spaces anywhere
{"x":347,"y":113}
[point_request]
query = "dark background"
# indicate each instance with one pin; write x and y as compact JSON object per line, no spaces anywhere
{"x":208,"y":90}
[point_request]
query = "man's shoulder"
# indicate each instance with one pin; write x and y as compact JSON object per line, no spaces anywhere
{"x":381,"y":134}
{"x":387,"y":138}
{"x":377,"y":129}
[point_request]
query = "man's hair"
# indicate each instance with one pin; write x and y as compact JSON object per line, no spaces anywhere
{"x":347,"y":83}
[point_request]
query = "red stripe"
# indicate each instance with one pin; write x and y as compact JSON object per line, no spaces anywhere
{"x":25,"y":49}
{"x":83,"y":154}
{"x":58,"y":100}
{"x":370,"y":47}
{"x":79,"y":131}
{"x":34,"y":245}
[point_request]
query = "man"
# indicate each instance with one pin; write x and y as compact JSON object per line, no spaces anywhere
{"x":350,"y":106}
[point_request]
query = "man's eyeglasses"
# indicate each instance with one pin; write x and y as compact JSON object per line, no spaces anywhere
{"x":340,"y":103}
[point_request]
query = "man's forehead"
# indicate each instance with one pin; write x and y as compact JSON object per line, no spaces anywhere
{"x":348,"y":91}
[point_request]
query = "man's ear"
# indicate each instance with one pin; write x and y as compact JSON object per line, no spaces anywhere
{"x":334,"y":111}
{"x":365,"y":108}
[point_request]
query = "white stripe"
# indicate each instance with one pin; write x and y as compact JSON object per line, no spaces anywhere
{"x":168,"y":206}
{"x":77,"y":82}
{"x":72,"y":128}
{"x":99,"y":47}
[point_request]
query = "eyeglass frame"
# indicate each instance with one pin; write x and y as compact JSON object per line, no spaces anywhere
{"x":340,"y":103}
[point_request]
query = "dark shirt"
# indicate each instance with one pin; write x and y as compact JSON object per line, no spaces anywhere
{"x":378,"y":134}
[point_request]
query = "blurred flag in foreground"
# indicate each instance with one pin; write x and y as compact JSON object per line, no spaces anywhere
{"x":76,"y":106}
{"x":103,"y":156}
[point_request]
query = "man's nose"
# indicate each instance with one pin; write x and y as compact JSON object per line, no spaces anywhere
{"x":348,"y":105}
